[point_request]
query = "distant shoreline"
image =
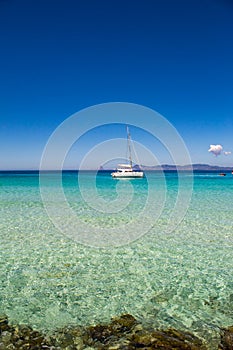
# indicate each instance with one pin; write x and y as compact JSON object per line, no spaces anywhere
{"x":163,"y":167}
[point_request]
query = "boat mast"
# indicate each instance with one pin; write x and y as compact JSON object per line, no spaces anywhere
{"x":129,"y":147}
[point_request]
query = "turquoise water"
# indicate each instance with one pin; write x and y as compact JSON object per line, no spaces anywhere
{"x":181,"y":278}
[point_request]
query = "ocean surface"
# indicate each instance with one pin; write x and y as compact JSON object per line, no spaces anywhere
{"x":180,"y":277}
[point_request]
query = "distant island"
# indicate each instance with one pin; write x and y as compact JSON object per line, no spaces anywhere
{"x":194,"y":167}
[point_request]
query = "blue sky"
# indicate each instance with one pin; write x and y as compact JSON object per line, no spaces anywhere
{"x":58,"y":57}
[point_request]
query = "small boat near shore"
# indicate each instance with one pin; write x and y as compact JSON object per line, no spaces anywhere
{"x":222,"y":174}
{"x":127,"y":170}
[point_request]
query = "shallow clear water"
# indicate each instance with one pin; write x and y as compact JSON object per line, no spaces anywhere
{"x":181,"y":279}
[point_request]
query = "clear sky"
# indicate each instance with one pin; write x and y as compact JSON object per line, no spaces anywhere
{"x":60,"y":56}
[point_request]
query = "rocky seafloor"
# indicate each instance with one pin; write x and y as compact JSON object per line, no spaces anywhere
{"x":122,"y":333}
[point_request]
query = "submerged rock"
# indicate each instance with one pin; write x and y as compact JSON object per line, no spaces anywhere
{"x":226,"y":339}
{"x":168,"y":340}
{"x":20,"y":337}
{"x":102,"y":335}
{"x":122,"y":333}
{"x":3,"y":323}
{"x":67,"y":338}
{"x":125,"y":333}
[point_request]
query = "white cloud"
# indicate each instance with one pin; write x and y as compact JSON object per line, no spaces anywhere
{"x":216,"y":149}
{"x":227,"y":153}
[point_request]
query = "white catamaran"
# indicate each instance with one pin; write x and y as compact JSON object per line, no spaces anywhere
{"x":126,"y":170}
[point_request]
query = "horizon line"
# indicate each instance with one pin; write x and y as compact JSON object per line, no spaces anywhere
{"x":146,"y":167}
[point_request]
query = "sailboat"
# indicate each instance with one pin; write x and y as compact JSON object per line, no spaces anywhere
{"x":126,"y":170}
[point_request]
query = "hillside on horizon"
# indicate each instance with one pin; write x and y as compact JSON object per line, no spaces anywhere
{"x":195,"y":167}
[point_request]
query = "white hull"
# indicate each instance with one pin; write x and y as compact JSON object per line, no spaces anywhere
{"x":127,"y":174}
{"x":125,"y":171}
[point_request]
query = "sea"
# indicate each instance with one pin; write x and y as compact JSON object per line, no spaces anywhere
{"x":78,"y":248}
